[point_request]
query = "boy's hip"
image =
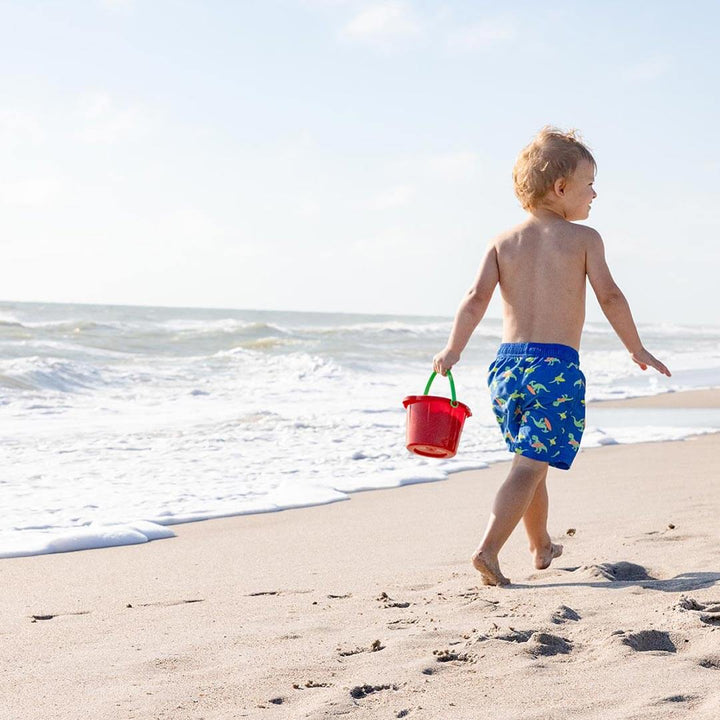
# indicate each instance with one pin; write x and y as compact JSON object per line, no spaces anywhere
{"x":530,"y":368}
{"x":564,"y":353}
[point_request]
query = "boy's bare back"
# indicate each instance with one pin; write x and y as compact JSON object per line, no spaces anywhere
{"x":542,"y":266}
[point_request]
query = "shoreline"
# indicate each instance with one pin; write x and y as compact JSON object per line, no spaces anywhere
{"x":125,"y":534}
{"x":687,"y":399}
{"x":372,"y":608}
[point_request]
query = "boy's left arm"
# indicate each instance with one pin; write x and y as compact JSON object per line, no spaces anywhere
{"x":470,"y":313}
{"x":615,"y":306}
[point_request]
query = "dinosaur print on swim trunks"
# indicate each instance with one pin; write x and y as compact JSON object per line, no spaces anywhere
{"x":538,"y":397}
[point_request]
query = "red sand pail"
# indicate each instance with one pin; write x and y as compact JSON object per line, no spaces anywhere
{"x":434,"y":424}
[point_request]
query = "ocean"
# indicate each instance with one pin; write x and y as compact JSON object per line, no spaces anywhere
{"x":118,"y":422}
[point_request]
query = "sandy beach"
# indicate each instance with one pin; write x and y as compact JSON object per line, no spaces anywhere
{"x":370,"y":608}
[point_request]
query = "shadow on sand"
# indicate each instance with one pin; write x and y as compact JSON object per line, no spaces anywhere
{"x":615,"y":576}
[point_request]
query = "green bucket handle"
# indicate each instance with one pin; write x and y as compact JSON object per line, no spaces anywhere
{"x":454,"y":401}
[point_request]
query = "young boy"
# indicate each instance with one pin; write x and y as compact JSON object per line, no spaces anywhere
{"x":536,"y":384}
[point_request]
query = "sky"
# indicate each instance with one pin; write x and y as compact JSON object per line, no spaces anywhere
{"x":345,"y":155}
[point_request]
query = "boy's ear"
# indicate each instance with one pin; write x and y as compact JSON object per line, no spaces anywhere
{"x":559,"y":186}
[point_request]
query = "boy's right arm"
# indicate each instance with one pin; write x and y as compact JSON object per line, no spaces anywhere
{"x":615,"y":306}
{"x":470,"y":313}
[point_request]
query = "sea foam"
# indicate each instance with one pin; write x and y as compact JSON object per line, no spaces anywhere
{"x":118,"y":422}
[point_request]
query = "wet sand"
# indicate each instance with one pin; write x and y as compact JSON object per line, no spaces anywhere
{"x":689,"y":399}
{"x":371,"y":608}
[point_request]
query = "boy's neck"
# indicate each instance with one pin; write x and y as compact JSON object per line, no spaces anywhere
{"x":545,"y":213}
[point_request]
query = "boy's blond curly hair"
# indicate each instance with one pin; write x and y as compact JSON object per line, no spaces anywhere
{"x":552,"y":154}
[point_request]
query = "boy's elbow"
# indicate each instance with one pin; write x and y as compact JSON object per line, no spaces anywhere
{"x":611,"y":297}
{"x":477,"y":299}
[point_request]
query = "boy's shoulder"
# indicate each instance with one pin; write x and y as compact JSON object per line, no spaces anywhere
{"x":585,"y":231}
{"x":557,"y":228}
{"x":590,"y":239}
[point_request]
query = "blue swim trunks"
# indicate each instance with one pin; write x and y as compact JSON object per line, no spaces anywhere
{"x":538,"y":397}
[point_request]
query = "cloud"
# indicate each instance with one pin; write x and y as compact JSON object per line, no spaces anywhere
{"x":393,"y":241}
{"x":453,"y":166}
{"x":394,"y":197}
{"x":118,"y":4}
{"x":18,"y":127}
{"x":450,"y":167}
{"x":31,"y":192}
{"x":480,"y":35}
{"x":102,"y":121}
{"x":381,"y":22}
{"x":326,"y":3}
{"x":648,"y":70}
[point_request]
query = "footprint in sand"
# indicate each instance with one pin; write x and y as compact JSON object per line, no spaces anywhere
{"x":444,"y":656}
{"x":376,"y":646}
{"x":512,"y":635}
{"x":361,"y":691}
{"x":310,"y":684}
{"x":539,"y":643}
{"x":472,"y":595}
{"x":708,"y":611}
{"x":619,"y":572}
{"x":649,"y":641}
{"x":547,"y":645}
{"x":447,"y":656}
{"x":390,"y":603}
{"x":564,"y":614}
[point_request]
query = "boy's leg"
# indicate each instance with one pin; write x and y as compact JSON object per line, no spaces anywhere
{"x":511,"y":503}
{"x":535,"y":520}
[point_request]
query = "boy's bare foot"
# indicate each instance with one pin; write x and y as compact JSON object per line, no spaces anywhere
{"x":545,"y":555}
{"x":489,"y":568}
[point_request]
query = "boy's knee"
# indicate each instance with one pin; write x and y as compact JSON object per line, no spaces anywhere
{"x":538,"y":467}
{"x":532,"y":470}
